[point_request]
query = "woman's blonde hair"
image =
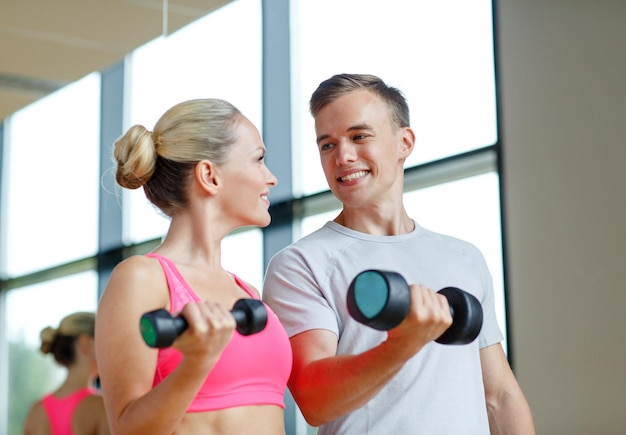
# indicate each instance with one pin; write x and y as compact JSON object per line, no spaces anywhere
{"x":60,"y":341}
{"x":162,"y":161}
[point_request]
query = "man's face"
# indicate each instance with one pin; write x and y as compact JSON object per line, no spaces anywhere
{"x":361,"y":150}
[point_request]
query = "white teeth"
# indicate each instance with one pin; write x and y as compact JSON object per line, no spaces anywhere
{"x":354,"y":176}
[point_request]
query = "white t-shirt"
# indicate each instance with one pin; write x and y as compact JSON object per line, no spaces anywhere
{"x":439,"y":390}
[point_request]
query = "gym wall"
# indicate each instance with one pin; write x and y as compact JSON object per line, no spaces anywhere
{"x":563,"y":111}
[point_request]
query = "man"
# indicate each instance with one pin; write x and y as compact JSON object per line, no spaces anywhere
{"x":348,"y":378}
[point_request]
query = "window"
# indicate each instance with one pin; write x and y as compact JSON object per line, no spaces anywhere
{"x":440,"y":54}
{"x":198,"y":61}
{"x":29,"y":310}
{"x":52,"y":179}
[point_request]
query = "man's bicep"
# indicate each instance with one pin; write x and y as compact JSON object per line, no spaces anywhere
{"x":310,"y":346}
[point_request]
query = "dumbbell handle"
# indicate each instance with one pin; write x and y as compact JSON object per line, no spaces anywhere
{"x":160,"y":329}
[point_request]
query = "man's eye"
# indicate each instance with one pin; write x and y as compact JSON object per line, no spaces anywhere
{"x":358,"y":137}
{"x":326,"y":146}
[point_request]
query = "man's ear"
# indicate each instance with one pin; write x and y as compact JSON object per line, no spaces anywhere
{"x":206,"y":176}
{"x":408,"y":142}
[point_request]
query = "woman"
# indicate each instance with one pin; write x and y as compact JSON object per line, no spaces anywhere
{"x":203,"y":167}
{"x":76,"y":406}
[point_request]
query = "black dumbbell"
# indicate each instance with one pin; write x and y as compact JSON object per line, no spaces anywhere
{"x":159,"y":328}
{"x":380,"y":299}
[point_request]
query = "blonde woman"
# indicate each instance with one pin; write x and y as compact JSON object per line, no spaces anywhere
{"x":203,"y":166}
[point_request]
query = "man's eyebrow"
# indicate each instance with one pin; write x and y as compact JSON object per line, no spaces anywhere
{"x":361,"y":127}
{"x":322,"y":137}
{"x":352,"y":128}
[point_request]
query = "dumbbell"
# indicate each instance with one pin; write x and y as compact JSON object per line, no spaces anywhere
{"x":159,"y":328}
{"x":380,"y":299}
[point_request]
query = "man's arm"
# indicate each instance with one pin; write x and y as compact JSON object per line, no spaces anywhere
{"x":326,"y":385}
{"x":507,"y":407}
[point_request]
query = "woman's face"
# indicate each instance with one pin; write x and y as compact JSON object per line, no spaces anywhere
{"x":247,"y":180}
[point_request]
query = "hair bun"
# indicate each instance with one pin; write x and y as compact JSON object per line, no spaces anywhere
{"x":136,"y":155}
{"x":48,"y":334}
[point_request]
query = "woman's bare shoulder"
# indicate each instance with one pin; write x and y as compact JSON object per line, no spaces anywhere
{"x":140,"y":266}
{"x":136,"y":273}
{"x":36,"y":422}
{"x":136,"y":285}
{"x":90,"y":416}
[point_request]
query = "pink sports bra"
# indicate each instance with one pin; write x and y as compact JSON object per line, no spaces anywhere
{"x":61,"y":410}
{"x":252,"y":370}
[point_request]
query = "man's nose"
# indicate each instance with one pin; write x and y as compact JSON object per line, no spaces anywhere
{"x":346,"y":152}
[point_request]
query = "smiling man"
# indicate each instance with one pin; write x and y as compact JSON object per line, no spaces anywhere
{"x":348,"y":378}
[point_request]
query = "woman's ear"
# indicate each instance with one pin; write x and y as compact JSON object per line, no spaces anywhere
{"x":206,"y":176}
{"x":86,"y":344}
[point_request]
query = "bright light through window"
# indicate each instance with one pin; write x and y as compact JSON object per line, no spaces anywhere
{"x":439,"y":54}
{"x":218,"y":56}
{"x":26,"y":319}
{"x":242,"y":255}
{"x":52,"y":163}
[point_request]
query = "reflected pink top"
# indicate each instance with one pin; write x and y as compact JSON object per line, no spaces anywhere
{"x":60,"y":410}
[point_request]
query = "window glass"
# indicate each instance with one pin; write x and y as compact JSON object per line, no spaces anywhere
{"x":52,"y":163}
{"x":218,"y":56}
{"x":29,"y":310}
{"x":242,"y":254}
{"x":440,"y":54}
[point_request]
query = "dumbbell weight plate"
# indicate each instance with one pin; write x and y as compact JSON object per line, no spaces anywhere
{"x":468,"y":317}
{"x":250,"y":315}
{"x":378,"y":299}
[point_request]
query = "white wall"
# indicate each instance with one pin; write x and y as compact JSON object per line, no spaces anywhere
{"x":563,"y":105}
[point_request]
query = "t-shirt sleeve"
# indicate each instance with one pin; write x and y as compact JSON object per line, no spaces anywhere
{"x":490,"y":332}
{"x":292,"y":290}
